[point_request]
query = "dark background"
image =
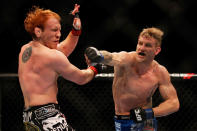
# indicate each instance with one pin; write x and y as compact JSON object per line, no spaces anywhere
{"x":112,"y":25}
{"x":90,"y":107}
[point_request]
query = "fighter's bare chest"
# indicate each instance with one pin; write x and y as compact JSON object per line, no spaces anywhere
{"x":134,"y":82}
{"x":142,"y":83}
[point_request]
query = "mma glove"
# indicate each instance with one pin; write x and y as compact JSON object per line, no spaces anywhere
{"x":97,"y":68}
{"x":94,"y":55}
{"x":76,"y":28}
{"x":139,"y":115}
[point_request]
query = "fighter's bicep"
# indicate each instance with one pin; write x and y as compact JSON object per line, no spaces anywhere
{"x":120,"y":58}
{"x":167,"y":91}
{"x":63,"y":67}
{"x":166,"y":88}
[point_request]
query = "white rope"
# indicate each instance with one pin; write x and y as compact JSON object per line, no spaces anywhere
{"x":187,"y":75}
{"x":111,"y":75}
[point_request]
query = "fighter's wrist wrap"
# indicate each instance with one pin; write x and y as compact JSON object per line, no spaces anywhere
{"x":140,"y":115}
{"x":149,"y":113}
{"x":75,"y":31}
{"x":76,"y":15}
{"x":93,"y":69}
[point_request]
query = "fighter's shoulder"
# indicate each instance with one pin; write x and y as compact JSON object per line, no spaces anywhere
{"x":125,"y":57}
{"x":126,"y":54}
{"x":24,"y":47}
{"x":55,"y":54}
{"x":54,"y":58}
{"x":160,"y":70}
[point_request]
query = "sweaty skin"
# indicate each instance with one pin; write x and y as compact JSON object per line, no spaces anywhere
{"x":43,"y":59}
{"x":137,"y":76}
{"x":131,"y":89}
{"x":39,"y":79}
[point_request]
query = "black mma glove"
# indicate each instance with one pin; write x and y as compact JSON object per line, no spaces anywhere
{"x":140,"y":115}
{"x":94,"y":55}
{"x":76,"y":29}
{"x":97,"y":68}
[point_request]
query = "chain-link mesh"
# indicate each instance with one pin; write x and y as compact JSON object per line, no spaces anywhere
{"x":90,"y":107}
{"x":186,"y":118}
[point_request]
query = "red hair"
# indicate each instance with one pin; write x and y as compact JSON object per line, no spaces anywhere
{"x":37,"y":17}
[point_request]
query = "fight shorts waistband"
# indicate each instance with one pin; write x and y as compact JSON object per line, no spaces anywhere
{"x":49,"y":106}
{"x":43,"y":111}
{"x":45,"y":118}
{"x":123,"y":117}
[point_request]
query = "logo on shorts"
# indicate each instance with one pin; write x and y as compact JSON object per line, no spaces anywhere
{"x":46,"y":111}
{"x":27,"y":116}
{"x":55,"y":123}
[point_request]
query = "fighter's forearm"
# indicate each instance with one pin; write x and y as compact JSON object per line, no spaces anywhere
{"x":68,"y":45}
{"x":109,"y":58}
{"x":167,"y":107}
{"x":87,"y":76}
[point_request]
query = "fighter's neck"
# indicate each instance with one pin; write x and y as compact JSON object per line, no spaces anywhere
{"x":142,"y":68}
{"x":36,"y":43}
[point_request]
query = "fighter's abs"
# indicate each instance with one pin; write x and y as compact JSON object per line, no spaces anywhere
{"x":129,"y":93}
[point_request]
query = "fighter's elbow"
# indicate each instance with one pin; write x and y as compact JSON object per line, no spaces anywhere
{"x":81,"y":82}
{"x":83,"y":77}
{"x":176,"y":105}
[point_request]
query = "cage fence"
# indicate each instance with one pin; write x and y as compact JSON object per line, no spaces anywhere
{"x":90,"y":107}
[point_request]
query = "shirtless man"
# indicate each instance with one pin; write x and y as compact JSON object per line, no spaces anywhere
{"x":41,"y":61}
{"x":136,"y":77}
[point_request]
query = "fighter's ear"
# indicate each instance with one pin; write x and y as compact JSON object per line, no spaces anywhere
{"x":158,"y":49}
{"x":37,"y":32}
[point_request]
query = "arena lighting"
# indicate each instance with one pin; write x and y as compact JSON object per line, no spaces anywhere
{"x":184,"y":75}
{"x":111,"y":75}
{"x":178,"y":75}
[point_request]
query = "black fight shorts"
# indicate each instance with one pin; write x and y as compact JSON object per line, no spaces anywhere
{"x":45,"y":118}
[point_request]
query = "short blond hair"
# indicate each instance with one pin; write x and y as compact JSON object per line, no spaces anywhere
{"x":153,"y":32}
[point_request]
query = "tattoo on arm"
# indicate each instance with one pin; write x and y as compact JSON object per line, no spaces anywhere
{"x":26,"y":54}
{"x":111,"y":59}
{"x":107,"y":56}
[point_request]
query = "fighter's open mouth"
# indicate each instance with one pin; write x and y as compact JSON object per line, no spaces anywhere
{"x":142,"y":53}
